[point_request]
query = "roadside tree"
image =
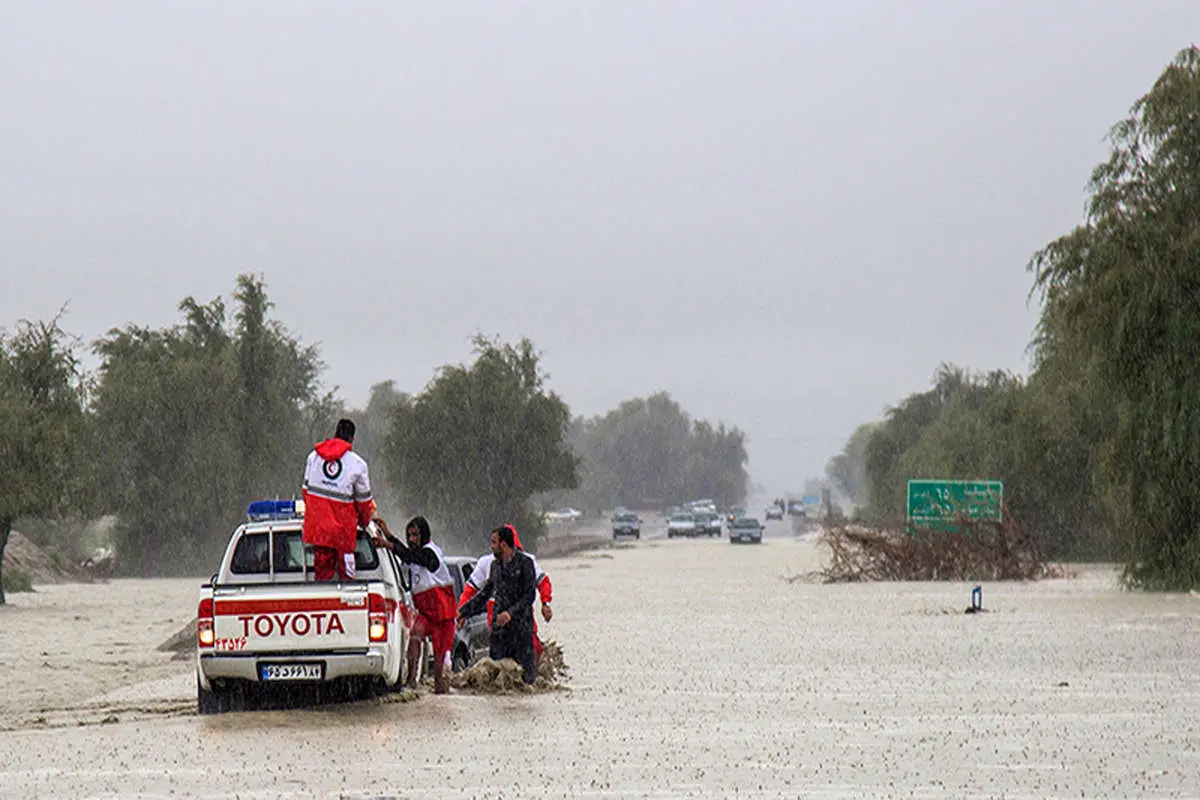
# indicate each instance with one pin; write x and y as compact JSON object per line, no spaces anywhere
{"x":1122,"y":304}
{"x":41,"y":425}
{"x":193,"y":421}
{"x":480,"y":441}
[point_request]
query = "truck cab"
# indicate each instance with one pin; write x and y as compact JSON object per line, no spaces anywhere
{"x":263,"y":620}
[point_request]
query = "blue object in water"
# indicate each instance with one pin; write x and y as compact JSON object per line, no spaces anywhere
{"x":977,"y":599}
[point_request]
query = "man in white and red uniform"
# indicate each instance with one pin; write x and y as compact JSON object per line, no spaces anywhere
{"x":433,"y":595}
{"x":479,"y":577}
{"x":337,"y":501}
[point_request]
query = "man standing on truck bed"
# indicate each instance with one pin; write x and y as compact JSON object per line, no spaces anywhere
{"x":512,"y":581}
{"x":432,"y":593}
{"x":337,"y":501}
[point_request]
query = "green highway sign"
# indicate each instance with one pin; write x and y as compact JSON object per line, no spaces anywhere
{"x":945,"y":501}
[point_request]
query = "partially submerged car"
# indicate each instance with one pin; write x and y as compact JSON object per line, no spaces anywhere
{"x":473,"y":639}
{"x":745,"y":529}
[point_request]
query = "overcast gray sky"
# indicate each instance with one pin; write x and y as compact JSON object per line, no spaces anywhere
{"x":785,"y":214}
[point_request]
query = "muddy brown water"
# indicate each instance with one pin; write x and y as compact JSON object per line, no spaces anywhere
{"x":697,"y":670}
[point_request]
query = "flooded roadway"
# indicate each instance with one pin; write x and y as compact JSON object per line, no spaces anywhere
{"x":697,"y":670}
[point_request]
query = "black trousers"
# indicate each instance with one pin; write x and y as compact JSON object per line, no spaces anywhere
{"x":515,"y":641}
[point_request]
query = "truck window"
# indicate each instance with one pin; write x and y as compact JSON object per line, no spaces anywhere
{"x":290,"y":552}
{"x":289,"y":549}
{"x":251,"y":556}
{"x":364,"y":553}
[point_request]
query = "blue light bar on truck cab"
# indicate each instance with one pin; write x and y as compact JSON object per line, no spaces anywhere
{"x":261,"y":510}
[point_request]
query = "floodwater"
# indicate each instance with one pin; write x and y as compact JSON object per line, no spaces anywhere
{"x":697,"y":669}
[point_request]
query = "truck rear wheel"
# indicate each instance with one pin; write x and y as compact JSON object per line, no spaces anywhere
{"x":218,"y":701}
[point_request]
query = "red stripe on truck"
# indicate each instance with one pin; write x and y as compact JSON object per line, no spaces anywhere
{"x":227,"y":608}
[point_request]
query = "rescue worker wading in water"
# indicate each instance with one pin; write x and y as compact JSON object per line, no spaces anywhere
{"x":433,"y":595}
{"x":512,"y":582}
{"x":337,"y":502}
{"x":479,"y":577}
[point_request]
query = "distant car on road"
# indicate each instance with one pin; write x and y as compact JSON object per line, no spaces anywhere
{"x":773,"y":512}
{"x":745,"y":529}
{"x":626,"y":523}
{"x":708,"y":523}
{"x":681,"y":525}
{"x":563,"y":515}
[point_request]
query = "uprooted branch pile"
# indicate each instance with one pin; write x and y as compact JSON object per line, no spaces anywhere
{"x":504,"y":677}
{"x":969,"y":551}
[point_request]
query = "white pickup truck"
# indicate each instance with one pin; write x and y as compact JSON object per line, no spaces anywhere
{"x":263,"y":620}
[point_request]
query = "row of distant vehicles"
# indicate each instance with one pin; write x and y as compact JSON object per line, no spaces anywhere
{"x":699,"y":518}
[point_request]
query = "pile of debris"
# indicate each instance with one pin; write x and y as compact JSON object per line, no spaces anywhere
{"x":970,"y":550}
{"x":504,"y":677}
{"x":182,"y":643}
{"x":551,"y":666}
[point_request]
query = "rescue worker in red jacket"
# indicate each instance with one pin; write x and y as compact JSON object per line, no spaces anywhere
{"x":479,"y":576}
{"x":433,"y":595}
{"x":337,"y":502}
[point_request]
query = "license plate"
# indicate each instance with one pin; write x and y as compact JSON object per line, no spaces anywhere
{"x":292,"y":672}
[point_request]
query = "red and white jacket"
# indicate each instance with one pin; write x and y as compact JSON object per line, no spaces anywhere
{"x":433,"y":590}
{"x":483,"y":569}
{"x":337,"y":496}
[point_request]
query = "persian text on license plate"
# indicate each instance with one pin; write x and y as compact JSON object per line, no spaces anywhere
{"x":290,"y":672}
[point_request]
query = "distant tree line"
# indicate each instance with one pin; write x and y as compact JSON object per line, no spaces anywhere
{"x":1100,"y":447}
{"x":180,"y":427}
{"x":648,"y":453}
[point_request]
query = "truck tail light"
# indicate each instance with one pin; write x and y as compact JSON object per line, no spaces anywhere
{"x":377,"y":619}
{"x":204,"y":623}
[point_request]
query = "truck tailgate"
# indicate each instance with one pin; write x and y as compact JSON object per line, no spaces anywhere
{"x":288,"y":618}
